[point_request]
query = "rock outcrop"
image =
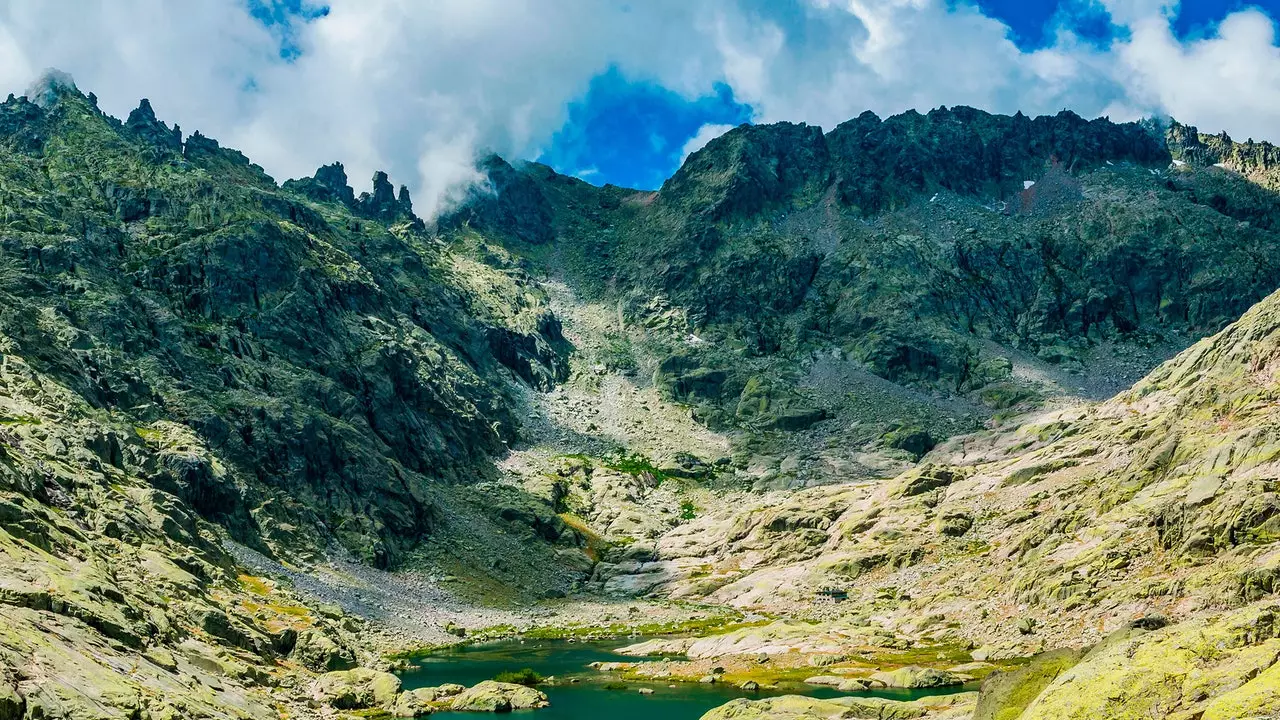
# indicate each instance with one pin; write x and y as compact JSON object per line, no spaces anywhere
{"x":358,"y":689}
{"x":492,"y":696}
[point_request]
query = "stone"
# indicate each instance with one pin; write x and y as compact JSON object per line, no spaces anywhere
{"x":927,"y":478}
{"x":856,"y":685}
{"x":645,"y":691}
{"x":1257,"y":698}
{"x":971,"y":667}
{"x":448,"y":690}
{"x":356,"y":689}
{"x":916,"y":677}
{"x":315,"y":650}
{"x":955,"y":524}
{"x":493,"y":696}
{"x":415,"y":703}
{"x":161,"y":657}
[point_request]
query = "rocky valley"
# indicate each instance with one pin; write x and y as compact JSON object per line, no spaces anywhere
{"x":944,"y":401}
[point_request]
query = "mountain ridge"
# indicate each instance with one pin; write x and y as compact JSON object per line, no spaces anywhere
{"x":868,"y":364}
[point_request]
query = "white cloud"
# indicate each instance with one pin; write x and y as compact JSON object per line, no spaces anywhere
{"x":705,"y":134}
{"x":1224,"y":81}
{"x":417,"y":88}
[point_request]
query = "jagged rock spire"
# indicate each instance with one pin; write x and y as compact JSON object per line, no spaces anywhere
{"x":334,"y":178}
{"x":329,"y":184}
{"x":142,"y":121}
{"x":382,"y":203}
{"x":406,"y":203}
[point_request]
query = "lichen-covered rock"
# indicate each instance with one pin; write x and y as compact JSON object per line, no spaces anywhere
{"x":493,"y":696}
{"x":437,"y":692}
{"x":916,"y":677}
{"x":1257,"y":698}
{"x":1210,"y":668}
{"x":357,"y":689}
{"x":317,"y":651}
{"x":419,"y":702}
{"x":795,"y":707}
{"x":1006,"y":694}
{"x":927,"y":478}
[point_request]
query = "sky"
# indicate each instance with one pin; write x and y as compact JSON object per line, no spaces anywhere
{"x":621,"y":91}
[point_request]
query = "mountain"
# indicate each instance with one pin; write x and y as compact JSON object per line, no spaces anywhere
{"x":945,"y":389}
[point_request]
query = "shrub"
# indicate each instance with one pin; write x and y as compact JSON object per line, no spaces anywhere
{"x":526,"y":676}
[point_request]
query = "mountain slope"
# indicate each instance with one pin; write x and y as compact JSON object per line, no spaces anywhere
{"x":338,"y":367}
{"x":192,"y":357}
{"x":856,"y":365}
{"x":781,"y":272}
{"x":1145,"y":526}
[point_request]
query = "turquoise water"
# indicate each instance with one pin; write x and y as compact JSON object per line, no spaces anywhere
{"x":590,"y":699}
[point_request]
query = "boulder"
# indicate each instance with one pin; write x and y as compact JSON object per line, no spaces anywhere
{"x":358,"y":689}
{"x":439,"y":692}
{"x":955,"y":524}
{"x":858,"y":685}
{"x":317,"y":651}
{"x":414,"y":703}
{"x":493,"y":696}
{"x":158,"y":655}
{"x":927,"y":478}
{"x":915,"y":677}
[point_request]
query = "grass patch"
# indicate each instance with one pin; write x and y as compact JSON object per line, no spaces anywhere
{"x":525,"y":676}
{"x":634,"y":464}
{"x":255,"y":585}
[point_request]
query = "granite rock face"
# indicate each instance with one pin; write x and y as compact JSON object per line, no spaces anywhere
{"x":194,"y":358}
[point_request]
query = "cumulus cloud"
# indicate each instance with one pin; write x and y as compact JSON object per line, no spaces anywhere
{"x":419,"y":89}
{"x":705,"y":134}
{"x":1223,"y":81}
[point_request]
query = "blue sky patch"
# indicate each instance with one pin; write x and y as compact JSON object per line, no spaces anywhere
{"x":1197,"y":18}
{"x":633,"y":132}
{"x":280,"y":16}
{"x":1033,"y":23}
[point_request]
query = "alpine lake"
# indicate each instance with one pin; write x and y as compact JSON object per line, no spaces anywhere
{"x":580,"y":692}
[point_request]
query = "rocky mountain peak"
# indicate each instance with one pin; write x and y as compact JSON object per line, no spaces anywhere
{"x":509,"y":202}
{"x":751,"y":167}
{"x":142,"y":121}
{"x":329,"y":184}
{"x":51,"y":85}
{"x":382,"y":202}
{"x":1259,"y":161}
